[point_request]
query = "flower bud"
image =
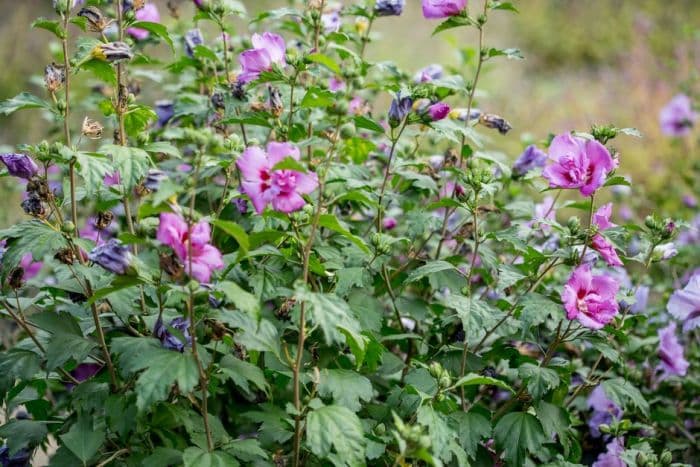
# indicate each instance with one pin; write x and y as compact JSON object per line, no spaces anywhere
{"x":92,"y":129}
{"x":642,"y":459}
{"x":361,"y":25}
{"x":461,"y":114}
{"x":650,"y":222}
{"x":54,"y":77}
{"x":168,"y":335}
{"x":63,"y":6}
{"x":192,"y":38}
{"x":438,"y":111}
{"x":389,"y":7}
{"x":96,"y":20}
{"x":154,"y":179}
{"x":666,"y":458}
{"x":574,"y":225}
{"x":112,"y":52}
{"x":112,"y":256}
{"x":495,"y":122}
{"x":68,"y":227}
{"x":399,"y":110}
{"x":19,"y":165}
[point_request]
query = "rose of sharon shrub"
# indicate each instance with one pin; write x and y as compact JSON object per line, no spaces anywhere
{"x":287,"y":254}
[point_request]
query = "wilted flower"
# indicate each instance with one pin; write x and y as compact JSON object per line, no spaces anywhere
{"x":602,"y":216}
{"x":54,"y":77}
{"x":684,"y":304}
{"x":265,"y":185}
{"x":20,"y":165}
{"x":274,"y":101}
{"x":112,"y":52}
{"x":611,"y":457}
{"x":268,"y":49}
{"x":495,"y":122}
{"x":530,"y":159}
{"x":96,"y":20}
{"x":20,"y":458}
{"x":578,"y":163}
{"x":170,"y":340}
{"x":677,"y":118}
{"x":604,"y":410}
{"x":113,"y":256}
{"x":173,"y":231}
{"x":671,"y":352}
{"x":389,"y":7}
{"x":192,"y":38}
{"x":148,"y":13}
{"x":84,"y":372}
{"x":92,"y":128}
{"x":154,"y":179}
{"x":590,"y":299}
{"x":429,"y":73}
{"x":33,"y":206}
{"x":443,"y":8}
{"x":399,"y":109}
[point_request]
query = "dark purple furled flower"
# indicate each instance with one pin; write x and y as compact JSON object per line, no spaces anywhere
{"x":193,"y":38}
{"x":241,"y":204}
{"x":20,"y":165}
{"x":530,"y":159}
{"x":590,"y":299}
{"x":154,"y":178}
{"x":168,"y":339}
{"x":113,"y":256}
{"x":438,"y":111}
{"x":20,"y":459}
{"x":165,"y":109}
{"x":611,"y":458}
{"x":604,"y":410}
{"x":677,"y":118}
{"x":671,"y":353}
{"x":433,"y":9}
{"x":578,"y":163}
{"x":684,"y":305}
{"x":268,"y":49}
{"x":389,"y":7}
{"x":199,"y":3}
{"x":429,"y":73}
{"x":84,"y":372}
{"x":400,"y":108}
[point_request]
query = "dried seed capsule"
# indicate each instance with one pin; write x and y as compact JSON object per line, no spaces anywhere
{"x":54,"y":77}
{"x":92,"y":129}
{"x":96,"y":20}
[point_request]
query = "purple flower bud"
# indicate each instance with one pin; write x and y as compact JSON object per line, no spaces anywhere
{"x":241,"y":204}
{"x":389,"y":223}
{"x":193,"y":38}
{"x":165,"y":109}
{"x":429,"y":73}
{"x":20,"y":165}
{"x":400,"y":108}
{"x":170,"y":341}
{"x":689,"y":201}
{"x":531,"y":158}
{"x":19,"y":459}
{"x":84,"y":372}
{"x":438,"y":111}
{"x":113,"y":256}
{"x":389,"y":7}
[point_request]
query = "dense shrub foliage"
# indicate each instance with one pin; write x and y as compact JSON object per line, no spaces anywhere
{"x":296,"y":256}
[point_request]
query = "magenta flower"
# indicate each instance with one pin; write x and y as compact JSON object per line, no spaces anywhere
{"x":281,"y":188}
{"x":671,"y":352}
{"x":438,"y":111}
{"x":678,"y":117}
{"x":611,"y":457}
{"x":684,"y":305}
{"x":602,"y":216}
{"x":148,"y":13}
{"x":590,"y":299}
{"x":31,"y":267}
{"x":578,"y":163}
{"x":336,"y":84}
{"x":389,"y":223}
{"x":173,"y":232}
{"x":442,"y":8}
{"x":268,"y":49}
{"x":606,"y":250}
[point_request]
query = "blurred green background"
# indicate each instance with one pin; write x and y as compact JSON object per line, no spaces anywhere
{"x":586,"y":62}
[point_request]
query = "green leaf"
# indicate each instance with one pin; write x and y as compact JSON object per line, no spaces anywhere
{"x":23,"y":101}
{"x":242,"y":372}
{"x":162,"y":147}
{"x":317,"y":97}
{"x":20,"y":434}
{"x":516,"y":434}
{"x":439,"y":431}
{"x":367,"y":123}
{"x":554,"y":419}
{"x":508,"y":276}
{"x":132,"y":163}
{"x":428,"y":269}
{"x":625,"y":394}
{"x":62,"y":347}
{"x":496,"y":5}
{"x":157,"y":29}
{"x":453,"y":22}
{"x":472,"y":379}
{"x":346,"y":387}
{"x":326,"y":61}
{"x":536,"y":309}
{"x":358,"y":149}
{"x":508,"y":53}
{"x":237,"y":232}
{"x":245,"y":301}
{"x":260,"y":336}
{"x":18,"y":363}
{"x":332,"y":314}
{"x":335,"y":429}
{"x":31,"y":236}
{"x":472,"y":428}
{"x":92,"y":168}
{"x":137,"y":119}
{"x":198,"y":457}
{"x":289,"y":163}
{"x":330,"y":221}
{"x":52,"y":26}
{"x":164,"y":368}
{"x":83,"y":439}
{"x":617,"y":180}
{"x":540,"y":380}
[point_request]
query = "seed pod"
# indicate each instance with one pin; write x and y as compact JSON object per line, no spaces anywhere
{"x":92,"y":129}
{"x":104,"y":219}
{"x":66,"y":256}
{"x":96,"y":20}
{"x":54,"y":77}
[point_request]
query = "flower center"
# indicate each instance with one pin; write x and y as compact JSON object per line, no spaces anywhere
{"x":284,"y":180}
{"x":582,"y":306}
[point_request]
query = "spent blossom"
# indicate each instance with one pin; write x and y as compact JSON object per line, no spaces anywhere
{"x":532,"y":158}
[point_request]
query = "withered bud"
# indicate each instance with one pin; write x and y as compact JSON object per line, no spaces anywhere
{"x":66,"y":256}
{"x":38,"y":187}
{"x":96,"y":20}
{"x":134,"y":4}
{"x":33,"y":206}
{"x":92,"y":129}
{"x":217,"y":101}
{"x":171,"y":266}
{"x":112,"y":52}
{"x":103,"y":220}
{"x":238,"y":90}
{"x":54,"y":77}
{"x":134,"y":87}
{"x":15,"y":279}
{"x":495,"y":122}
{"x":274,"y":101}
{"x":315,"y":4}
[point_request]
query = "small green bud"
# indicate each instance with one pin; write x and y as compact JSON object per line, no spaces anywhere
{"x":380,"y":429}
{"x":144,"y":137}
{"x":68,"y":227}
{"x":574,"y":225}
{"x":650,"y":222}
{"x":424,"y":442}
{"x":347,"y":131}
{"x":604,"y":428}
{"x":376,"y":239}
{"x":193,"y":285}
{"x":642,"y":459}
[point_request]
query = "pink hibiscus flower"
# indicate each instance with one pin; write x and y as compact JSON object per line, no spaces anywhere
{"x":590,"y":299}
